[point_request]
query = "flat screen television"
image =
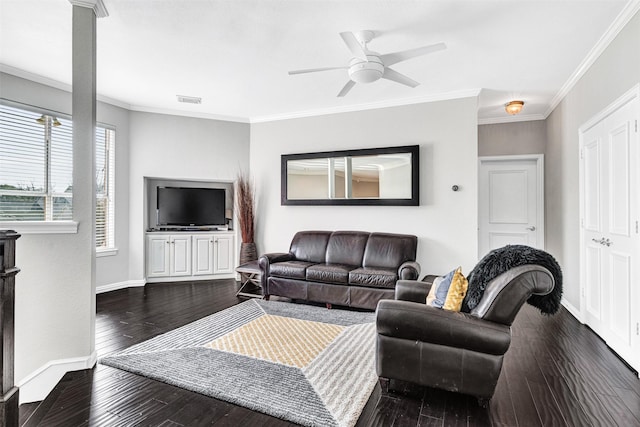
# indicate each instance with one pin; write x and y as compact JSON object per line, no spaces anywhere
{"x":191,"y":207}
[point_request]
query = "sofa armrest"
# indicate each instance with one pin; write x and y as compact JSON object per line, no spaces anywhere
{"x":265,"y":261}
{"x":412,"y":290}
{"x":420,"y":322}
{"x":409,"y":270}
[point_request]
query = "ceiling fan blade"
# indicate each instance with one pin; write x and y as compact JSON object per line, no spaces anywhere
{"x":346,"y":88}
{"x":395,"y":57}
{"x":354,"y":45}
{"x":313,"y":70}
{"x":395,"y":76}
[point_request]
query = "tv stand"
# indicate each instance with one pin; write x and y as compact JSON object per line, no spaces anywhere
{"x":194,"y":228}
{"x":180,"y":254}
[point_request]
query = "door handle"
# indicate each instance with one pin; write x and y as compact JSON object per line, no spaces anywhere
{"x":603,"y":241}
{"x":532,"y":228}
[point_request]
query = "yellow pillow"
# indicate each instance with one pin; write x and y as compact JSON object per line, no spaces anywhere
{"x":457,"y":291}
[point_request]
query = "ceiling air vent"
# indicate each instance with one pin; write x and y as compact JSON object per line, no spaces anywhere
{"x":189,"y":99}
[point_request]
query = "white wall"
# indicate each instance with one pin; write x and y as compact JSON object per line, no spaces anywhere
{"x":53,"y":297}
{"x":507,"y":139}
{"x":178,"y":148}
{"x":615,"y":72}
{"x":445,"y":222}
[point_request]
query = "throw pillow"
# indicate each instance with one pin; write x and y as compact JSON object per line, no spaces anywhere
{"x":431,"y":297}
{"x":457,"y":291}
{"x":439,"y":290}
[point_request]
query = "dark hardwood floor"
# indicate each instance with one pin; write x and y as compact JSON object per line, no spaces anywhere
{"x":556,"y":373}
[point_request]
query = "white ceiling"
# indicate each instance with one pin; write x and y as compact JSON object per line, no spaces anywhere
{"x":235,"y":54}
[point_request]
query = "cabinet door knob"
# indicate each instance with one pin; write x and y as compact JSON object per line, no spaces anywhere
{"x":532,"y":228}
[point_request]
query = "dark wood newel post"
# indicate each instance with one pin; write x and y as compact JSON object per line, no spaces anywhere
{"x":8,"y":271}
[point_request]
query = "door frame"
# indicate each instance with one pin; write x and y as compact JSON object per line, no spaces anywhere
{"x":539,"y":160}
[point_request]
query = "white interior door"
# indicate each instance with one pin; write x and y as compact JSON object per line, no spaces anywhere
{"x":610,"y":240}
{"x":510,"y":202}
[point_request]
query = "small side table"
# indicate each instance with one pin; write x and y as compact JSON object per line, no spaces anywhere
{"x":249,"y":276}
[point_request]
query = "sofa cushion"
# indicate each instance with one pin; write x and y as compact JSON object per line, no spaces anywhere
{"x":389,"y":250}
{"x":329,"y":273}
{"x":346,"y":247}
{"x":291,"y":269}
{"x":310,"y":246}
{"x":373,"y":277}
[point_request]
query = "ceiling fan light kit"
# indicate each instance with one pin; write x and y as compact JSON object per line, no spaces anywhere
{"x":514,"y":107}
{"x":367,"y":66}
{"x":366,"y":71}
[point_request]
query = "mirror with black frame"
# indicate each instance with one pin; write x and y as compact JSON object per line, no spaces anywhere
{"x":375,"y":176}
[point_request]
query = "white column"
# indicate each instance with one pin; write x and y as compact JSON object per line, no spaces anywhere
{"x":331,"y":177}
{"x":348,"y":178}
{"x":84,"y":124}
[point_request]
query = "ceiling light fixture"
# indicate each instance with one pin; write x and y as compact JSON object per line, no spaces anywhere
{"x":514,"y":107}
{"x":43,"y":120}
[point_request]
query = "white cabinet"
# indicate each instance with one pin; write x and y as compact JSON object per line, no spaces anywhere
{"x":157,"y":255}
{"x":185,"y":256}
{"x":180,"y":255}
{"x":223,"y":253}
{"x":203,"y":254}
{"x":168,"y":255}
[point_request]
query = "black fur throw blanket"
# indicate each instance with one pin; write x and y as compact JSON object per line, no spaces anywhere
{"x":499,"y":261}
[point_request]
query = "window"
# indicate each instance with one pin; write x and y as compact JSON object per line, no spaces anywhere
{"x":36,"y":170}
{"x":105,"y":180}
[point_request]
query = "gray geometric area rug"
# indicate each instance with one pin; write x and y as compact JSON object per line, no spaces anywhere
{"x":304,"y":364}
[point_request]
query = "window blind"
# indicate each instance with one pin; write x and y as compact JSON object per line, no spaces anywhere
{"x":105,"y":179}
{"x":23,"y":162}
{"x":61,"y":169}
{"x":36,"y":170}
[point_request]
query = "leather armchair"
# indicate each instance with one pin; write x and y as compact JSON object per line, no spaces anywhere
{"x":455,"y":351}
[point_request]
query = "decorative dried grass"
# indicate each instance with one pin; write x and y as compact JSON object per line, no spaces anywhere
{"x":245,"y":207}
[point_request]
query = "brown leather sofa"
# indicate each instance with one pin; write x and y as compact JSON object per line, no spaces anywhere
{"x":349,"y":268}
{"x":455,"y":351}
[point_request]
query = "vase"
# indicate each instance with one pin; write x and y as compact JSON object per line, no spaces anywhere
{"x":248,"y":252}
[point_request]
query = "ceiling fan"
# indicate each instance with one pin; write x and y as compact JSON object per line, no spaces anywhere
{"x":367,"y":66}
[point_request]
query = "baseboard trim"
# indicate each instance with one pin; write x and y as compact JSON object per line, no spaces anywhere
{"x":191,"y":278}
{"x":572,"y":309}
{"x":37,"y":385}
{"x":119,"y":285}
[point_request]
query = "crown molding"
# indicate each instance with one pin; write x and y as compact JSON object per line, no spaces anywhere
{"x":56,"y":84}
{"x":368,"y":106}
{"x":97,"y":6}
{"x":511,"y":119}
{"x":623,"y":18}
{"x":310,"y":113}
{"x":195,"y":114}
{"x":37,"y":78}
{"x":7,"y":69}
